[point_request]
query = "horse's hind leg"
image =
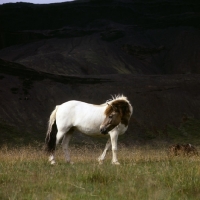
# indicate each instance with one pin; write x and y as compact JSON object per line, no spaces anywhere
{"x":65,"y":144}
{"x":102,"y":156}
{"x":59,"y":136}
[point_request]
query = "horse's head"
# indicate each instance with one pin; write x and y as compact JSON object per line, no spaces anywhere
{"x":113,"y":118}
{"x":116,"y":112}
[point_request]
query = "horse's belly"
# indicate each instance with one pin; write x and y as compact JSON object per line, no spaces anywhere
{"x":89,"y":130}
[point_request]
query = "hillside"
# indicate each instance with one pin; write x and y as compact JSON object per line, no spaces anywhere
{"x":146,"y":50}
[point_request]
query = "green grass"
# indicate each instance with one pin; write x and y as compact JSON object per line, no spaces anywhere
{"x":144,"y":173}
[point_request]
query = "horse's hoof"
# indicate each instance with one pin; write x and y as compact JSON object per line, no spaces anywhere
{"x":116,"y":163}
{"x":100,"y":162}
{"x":53,"y":162}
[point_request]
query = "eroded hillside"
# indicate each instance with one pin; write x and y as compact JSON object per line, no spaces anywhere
{"x":148,"y":51}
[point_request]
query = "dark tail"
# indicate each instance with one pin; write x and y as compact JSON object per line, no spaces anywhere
{"x":50,"y":139}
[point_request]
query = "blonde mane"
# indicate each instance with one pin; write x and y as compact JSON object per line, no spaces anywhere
{"x":120,"y":97}
{"x":117,"y":97}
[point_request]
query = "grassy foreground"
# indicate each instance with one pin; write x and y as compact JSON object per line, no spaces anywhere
{"x":144,"y":173}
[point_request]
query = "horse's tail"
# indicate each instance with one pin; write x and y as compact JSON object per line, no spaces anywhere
{"x":50,"y":139}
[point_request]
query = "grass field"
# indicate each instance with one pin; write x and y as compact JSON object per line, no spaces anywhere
{"x":144,"y":173}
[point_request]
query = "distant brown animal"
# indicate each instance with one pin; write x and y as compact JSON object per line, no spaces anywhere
{"x":182,"y":149}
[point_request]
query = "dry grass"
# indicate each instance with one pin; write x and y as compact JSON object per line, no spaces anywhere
{"x":144,"y":173}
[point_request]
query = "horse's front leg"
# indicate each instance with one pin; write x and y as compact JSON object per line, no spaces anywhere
{"x":102,"y":156}
{"x":114,"y":138}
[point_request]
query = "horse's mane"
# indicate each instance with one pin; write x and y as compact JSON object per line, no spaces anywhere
{"x":117,"y":97}
{"x":123,"y":105}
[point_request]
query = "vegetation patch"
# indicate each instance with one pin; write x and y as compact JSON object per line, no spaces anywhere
{"x":187,"y":132}
{"x":99,"y":177}
{"x":144,"y":173}
{"x":13,"y":136}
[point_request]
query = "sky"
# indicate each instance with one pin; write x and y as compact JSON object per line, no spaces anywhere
{"x":33,"y":1}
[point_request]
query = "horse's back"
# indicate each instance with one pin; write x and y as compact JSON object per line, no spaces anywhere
{"x":83,"y":116}
{"x":69,"y":110}
{"x":78,"y":107}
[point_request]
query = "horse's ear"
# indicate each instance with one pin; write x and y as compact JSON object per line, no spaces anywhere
{"x":113,"y":107}
{"x":110,"y":105}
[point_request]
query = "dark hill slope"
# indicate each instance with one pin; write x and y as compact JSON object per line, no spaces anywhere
{"x":103,"y":37}
{"x":147,"y":50}
{"x":28,"y":97}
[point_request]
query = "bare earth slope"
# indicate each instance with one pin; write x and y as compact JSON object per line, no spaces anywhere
{"x":148,"y":51}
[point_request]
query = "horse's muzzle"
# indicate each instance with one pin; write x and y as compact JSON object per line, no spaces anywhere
{"x":103,"y":131}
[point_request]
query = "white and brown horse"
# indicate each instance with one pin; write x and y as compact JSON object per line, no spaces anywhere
{"x":110,"y":118}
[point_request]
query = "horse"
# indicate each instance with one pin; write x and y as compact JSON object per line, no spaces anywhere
{"x":108,"y":119}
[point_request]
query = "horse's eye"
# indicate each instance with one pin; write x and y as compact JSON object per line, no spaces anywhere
{"x":110,"y":116}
